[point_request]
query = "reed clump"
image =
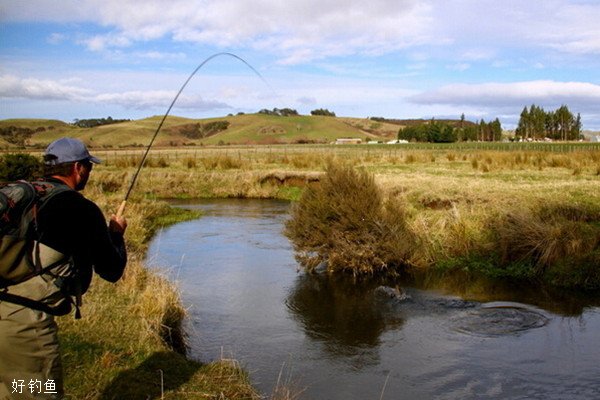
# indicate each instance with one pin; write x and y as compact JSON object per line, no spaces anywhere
{"x":345,"y":222}
{"x":348,"y":224}
{"x":555,"y":242}
{"x":447,"y":234}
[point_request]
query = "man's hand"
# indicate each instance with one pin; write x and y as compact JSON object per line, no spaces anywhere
{"x":117,"y":224}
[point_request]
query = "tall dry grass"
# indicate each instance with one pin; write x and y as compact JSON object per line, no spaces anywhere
{"x":560,"y":242}
{"x":353,"y":225}
{"x":344,"y":222}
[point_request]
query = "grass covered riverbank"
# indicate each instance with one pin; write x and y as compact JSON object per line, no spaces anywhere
{"x":130,"y":343}
{"x":525,"y":215}
{"x":349,"y":223}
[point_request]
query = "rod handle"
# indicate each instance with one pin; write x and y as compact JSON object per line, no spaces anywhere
{"x":121,"y":209}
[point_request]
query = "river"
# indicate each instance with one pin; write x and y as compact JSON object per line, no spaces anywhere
{"x":331,"y":339}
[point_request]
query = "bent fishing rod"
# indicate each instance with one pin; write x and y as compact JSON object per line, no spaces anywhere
{"x":143,"y":160}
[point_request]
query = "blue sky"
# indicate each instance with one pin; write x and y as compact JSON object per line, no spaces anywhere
{"x":73,"y":59}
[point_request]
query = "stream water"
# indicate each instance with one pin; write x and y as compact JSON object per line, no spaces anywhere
{"x":332,"y":339}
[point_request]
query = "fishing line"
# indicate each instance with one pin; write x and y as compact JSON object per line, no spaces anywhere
{"x":143,"y":160}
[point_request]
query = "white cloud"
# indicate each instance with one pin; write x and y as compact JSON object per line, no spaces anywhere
{"x":298,"y":30}
{"x":157,"y":55}
{"x":14,"y":87}
{"x":309,"y":29}
{"x":517,"y":94}
{"x":308,"y":101}
{"x":157,"y":99}
{"x":104,"y":42}
{"x":476,"y":54}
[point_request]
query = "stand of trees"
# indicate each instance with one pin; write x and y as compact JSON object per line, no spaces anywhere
{"x":561,"y":124}
{"x":281,"y":112}
{"x":323,"y":111}
{"x":443,"y":132}
{"x":90,"y":123}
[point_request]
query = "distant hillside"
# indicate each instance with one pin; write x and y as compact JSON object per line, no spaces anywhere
{"x":178,"y":131}
{"x":19,"y":132}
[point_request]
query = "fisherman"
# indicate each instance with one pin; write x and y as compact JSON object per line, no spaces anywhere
{"x":73,"y":226}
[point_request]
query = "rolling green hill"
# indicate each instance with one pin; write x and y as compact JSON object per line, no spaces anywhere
{"x":16,"y":132}
{"x":241,"y":129}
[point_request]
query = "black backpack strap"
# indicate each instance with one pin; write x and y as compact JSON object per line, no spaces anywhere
{"x":63,"y":307}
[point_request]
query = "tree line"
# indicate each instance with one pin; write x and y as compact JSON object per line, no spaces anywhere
{"x":535,"y":123}
{"x":280,"y":112}
{"x":323,"y":111}
{"x":444,"y":132}
{"x":92,"y":122}
{"x":286,"y":112}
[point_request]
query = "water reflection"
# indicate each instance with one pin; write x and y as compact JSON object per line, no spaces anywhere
{"x":340,"y":314}
{"x":349,"y":318}
{"x":479,"y":288}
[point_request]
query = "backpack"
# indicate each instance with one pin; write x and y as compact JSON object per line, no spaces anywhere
{"x":22,"y":256}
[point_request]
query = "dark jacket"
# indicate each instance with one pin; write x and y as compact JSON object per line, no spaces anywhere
{"x":75,"y":226}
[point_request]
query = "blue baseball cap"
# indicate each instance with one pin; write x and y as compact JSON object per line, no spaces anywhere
{"x":66,"y":150}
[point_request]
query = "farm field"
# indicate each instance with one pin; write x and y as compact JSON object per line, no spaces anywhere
{"x":454,"y":199}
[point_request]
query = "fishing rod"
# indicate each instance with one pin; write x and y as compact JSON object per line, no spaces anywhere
{"x":143,"y":160}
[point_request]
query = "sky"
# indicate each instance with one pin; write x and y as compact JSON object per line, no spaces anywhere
{"x":486,"y":59}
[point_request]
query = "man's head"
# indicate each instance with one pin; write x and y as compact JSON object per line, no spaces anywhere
{"x":70,"y":160}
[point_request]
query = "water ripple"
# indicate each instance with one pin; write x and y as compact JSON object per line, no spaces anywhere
{"x":500,"y":318}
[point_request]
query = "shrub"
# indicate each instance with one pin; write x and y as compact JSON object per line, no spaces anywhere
{"x":19,"y":166}
{"x":16,"y":135}
{"x":345,"y":222}
{"x":200,"y":131}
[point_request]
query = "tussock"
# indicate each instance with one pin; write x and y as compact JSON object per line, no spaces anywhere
{"x":548,"y":236}
{"x":345,"y":222}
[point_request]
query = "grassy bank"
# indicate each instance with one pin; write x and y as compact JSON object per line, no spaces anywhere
{"x":348,"y":223}
{"x":130,"y":343}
